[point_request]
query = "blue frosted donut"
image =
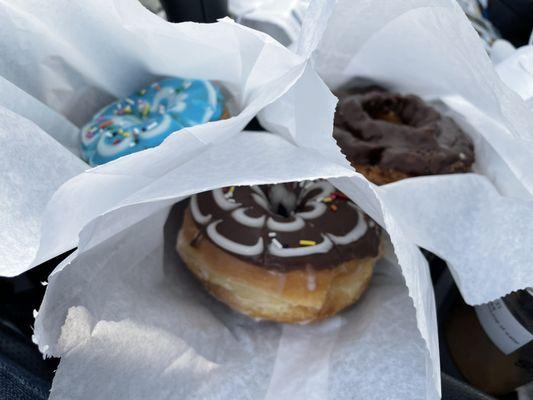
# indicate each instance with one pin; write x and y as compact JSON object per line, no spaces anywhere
{"x":146,"y":118}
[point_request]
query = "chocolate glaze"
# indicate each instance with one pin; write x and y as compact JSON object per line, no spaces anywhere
{"x":402,"y":133}
{"x":339,"y":217}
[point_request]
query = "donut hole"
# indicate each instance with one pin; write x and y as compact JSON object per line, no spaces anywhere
{"x":284,"y":199}
{"x":385,"y":109}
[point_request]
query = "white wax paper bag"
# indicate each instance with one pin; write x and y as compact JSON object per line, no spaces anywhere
{"x":516,"y":71}
{"x":129,"y":321}
{"x":113,"y":200}
{"x":27,"y":182}
{"x":61,"y":61}
{"x":480,"y":223}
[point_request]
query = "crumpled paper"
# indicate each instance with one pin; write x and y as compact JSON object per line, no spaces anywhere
{"x":480,"y":222}
{"x":516,"y":72}
{"x":119,"y":306}
{"x":28,"y":181}
{"x":123,"y":306}
{"x":119,"y":206}
{"x":62,"y":62}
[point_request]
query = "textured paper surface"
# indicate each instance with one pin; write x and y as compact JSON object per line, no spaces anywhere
{"x":115,"y":212}
{"x":478,"y":223}
{"x":414,"y":46}
{"x":27,"y":182}
{"x":149,"y":330}
{"x":62,"y":61}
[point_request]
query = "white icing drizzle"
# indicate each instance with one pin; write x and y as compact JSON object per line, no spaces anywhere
{"x":238,"y":213}
{"x":232,"y":246}
{"x":164,"y":93}
{"x":240,"y":216}
{"x":323,"y":247}
{"x":259,"y":199}
{"x":325,"y":189}
{"x":291,"y":226}
{"x":197,"y":214}
{"x":158,"y":129}
{"x":355,"y":234}
{"x":212,"y":95}
{"x":311,"y":278}
{"x":280,"y":195}
{"x":107,"y":150}
{"x":223,"y":202}
{"x":319,"y":208}
{"x":257,"y":190}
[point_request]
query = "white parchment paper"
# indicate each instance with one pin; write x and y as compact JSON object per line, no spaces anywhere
{"x":478,"y":222}
{"x":27,"y":182}
{"x":117,"y":293}
{"x":62,"y":61}
{"x":138,"y":325}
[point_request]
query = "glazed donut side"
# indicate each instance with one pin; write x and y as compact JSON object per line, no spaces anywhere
{"x":304,"y":265}
{"x":297,"y":296}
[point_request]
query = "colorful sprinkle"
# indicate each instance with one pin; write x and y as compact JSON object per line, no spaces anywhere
{"x":146,"y":110}
{"x":106,"y":124}
{"x":141,"y":109}
{"x":339,"y":195}
{"x":327,"y":199}
{"x":271,"y":234}
{"x":333,"y":207}
{"x":116,"y":141}
{"x":230,"y":191}
{"x":307,"y":243}
{"x":152,"y":125}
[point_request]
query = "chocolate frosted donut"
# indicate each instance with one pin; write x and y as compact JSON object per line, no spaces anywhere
{"x":287,"y":252}
{"x":388,"y":137}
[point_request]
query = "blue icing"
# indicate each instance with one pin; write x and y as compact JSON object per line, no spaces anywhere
{"x":148,"y":116}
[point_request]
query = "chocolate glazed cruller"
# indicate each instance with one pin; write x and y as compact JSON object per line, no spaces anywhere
{"x":288,"y":252}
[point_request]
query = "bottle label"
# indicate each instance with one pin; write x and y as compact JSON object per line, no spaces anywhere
{"x":505,"y":331}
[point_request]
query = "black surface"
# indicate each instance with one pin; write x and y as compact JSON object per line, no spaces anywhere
{"x":195,"y":10}
{"x":24,"y":374}
{"x":454,"y":389}
{"x":513,"y":18}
